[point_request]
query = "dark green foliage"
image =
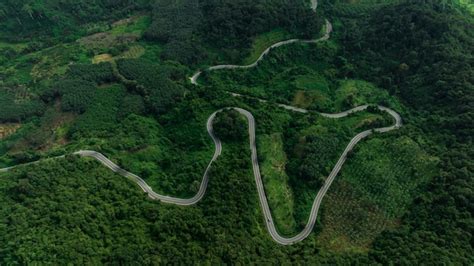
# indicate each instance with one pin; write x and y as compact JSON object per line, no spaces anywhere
{"x":101,"y":115}
{"x":173,"y":19}
{"x":78,"y":89}
{"x":429,"y":65}
{"x":318,"y":151}
{"x":433,"y":74}
{"x":76,"y":210}
{"x":12,"y":110}
{"x":230,"y":125}
{"x":49,"y":20}
{"x":159,"y":91}
{"x":76,"y":95}
{"x":98,"y":73}
{"x":232,"y":23}
{"x":131,"y":104}
{"x":186,"y":27}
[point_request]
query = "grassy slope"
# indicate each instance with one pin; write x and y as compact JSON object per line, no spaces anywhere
{"x":54,"y":61}
{"x":312,"y":86}
{"x":263,"y":41}
{"x":374,"y":189}
{"x":290,"y":205}
{"x":350,"y":192}
{"x":280,"y":195}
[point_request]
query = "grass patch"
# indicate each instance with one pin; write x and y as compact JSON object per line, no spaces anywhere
{"x":352,"y":93}
{"x":134,"y":51}
{"x":313,"y":90}
{"x":18,"y":47}
{"x":102,"y":58}
{"x":312,"y":81}
{"x":275,"y":179}
{"x":134,"y":25}
{"x":263,"y":41}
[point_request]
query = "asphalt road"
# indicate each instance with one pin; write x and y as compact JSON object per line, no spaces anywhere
{"x":256,"y":169}
{"x":252,"y":143}
{"x":314,"y":7}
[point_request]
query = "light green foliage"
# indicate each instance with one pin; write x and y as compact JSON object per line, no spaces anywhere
{"x":376,"y":186}
{"x":275,"y":179}
{"x":305,"y":76}
{"x":401,"y":198}
{"x":352,"y":93}
{"x":263,"y":41}
{"x":134,"y":25}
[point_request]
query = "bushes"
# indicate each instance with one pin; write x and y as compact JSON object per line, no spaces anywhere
{"x":101,"y":115}
{"x":98,"y":73}
{"x":230,"y":125}
{"x":76,"y":95}
{"x":159,"y":91}
{"x":50,"y":20}
{"x":186,"y":27}
{"x":14,"y":111}
{"x":429,"y":65}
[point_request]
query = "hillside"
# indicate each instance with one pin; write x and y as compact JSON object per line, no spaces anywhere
{"x":361,"y":112}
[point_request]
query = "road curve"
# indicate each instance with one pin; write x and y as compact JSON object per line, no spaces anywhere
{"x":252,"y":142}
{"x":256,"y":169}
{"x":328,"y":30}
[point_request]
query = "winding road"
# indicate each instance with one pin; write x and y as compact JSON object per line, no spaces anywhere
{"x":256,"y":169}
{"x":327,"y":34}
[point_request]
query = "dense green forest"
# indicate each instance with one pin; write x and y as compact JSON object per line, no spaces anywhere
{"x":51,"y":21}
{"x":190,"y":28}
{"x":434,"y":78}
{"x":112,"y":76}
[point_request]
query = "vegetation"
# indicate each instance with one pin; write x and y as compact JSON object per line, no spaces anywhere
{"x":48,"y":22}
{"x":375,"y":188}
{"x":402,"y":197}
{"x":189,"y":27}
{"x":434,"y":79}
{"x":230,"y":125}
{"x":15,"y":110}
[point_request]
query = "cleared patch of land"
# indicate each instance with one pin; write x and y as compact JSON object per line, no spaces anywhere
{"x":8,"y":129}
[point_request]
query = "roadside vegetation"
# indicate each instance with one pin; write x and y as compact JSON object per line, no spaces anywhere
{"x":113,"y":77}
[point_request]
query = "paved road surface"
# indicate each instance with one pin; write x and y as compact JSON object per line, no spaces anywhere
{"x":328,"y":28}
{"x":256,"y":169}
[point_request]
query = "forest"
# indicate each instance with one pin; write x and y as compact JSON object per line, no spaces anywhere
{"x":113,"y":76}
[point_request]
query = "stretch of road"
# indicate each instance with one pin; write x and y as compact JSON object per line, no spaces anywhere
{"x":256,"y":169}
{"x":327,"y":34}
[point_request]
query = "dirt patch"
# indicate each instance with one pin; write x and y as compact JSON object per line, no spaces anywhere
{"x":8,"y":129}
{"x":107,"y":39}
{"x":102,"y":58}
